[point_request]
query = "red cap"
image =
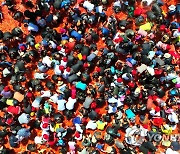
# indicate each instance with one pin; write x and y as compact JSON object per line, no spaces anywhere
{"x":158,"y":71}
{"x":68,"y":69}
{"x":119,"y":80}
{"x":179,"y":29}
{"x":65,"y":59}
{"x":154,"y":97}
{"x":62,"y":30}
{"x":9,"y":121}
{"x":168,"y":47}
{"x":93,"y":105}
{"x":157,"y":108}
{"x":61,"y":67}
{"x":118,"y":40}
{"x":128,"y":92}
{"x":77,"y":135}
{"x":162,"y":27}
{"x":98,"y":69}
{"x":45,"y":125}
{"x":59,"y":48}
{"x":97,"y":110}
{"x":6,"y":88}
{"x":33,"y":108}
{"x":84,"y":120}
{"x":22,"y":47}
{"x":29,"y":94}
{"x":46,"y":136}
{"x":131,"y":84}
{"x":85,"y":65}
{"x":137,"y":12}
{"x":157,"y":121}
{"x":84,"y":57}
{"x":134,"y":72}
{"x":145,"y":126}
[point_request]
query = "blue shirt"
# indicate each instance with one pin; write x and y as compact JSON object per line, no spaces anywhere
{"x":76,"y":35}
{"x":44,"y":42}
{"x":105,"y":31}
{"x":159,"y":52}
{"x":81,"y":86}
{"x":65,"y":37}
{"x":33,"y":27}
{"x":77,"y":120}
{"x":24,"y":132}
{"x":131,"y":60}
{"x":65,"y":2}
{"x":130,"y":114}
{"x":41,"y":22}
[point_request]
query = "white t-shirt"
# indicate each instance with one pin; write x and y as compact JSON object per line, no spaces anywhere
{"x":23,"y":118}
{"x":78,"y":128}
{"x":70,"y":103}
{"x":150,"y":70}
{"x":6,"y":72}
{"x":62,"y":52}
{"x":40,"y":76}
{"x":176,"y":33}
{"x":54,"y":98}
{"x":170,"y":151}
{"x":46,"y":93}
{"x":53,"y":44}
{"x":65,"y":74}
{"x":46,"y":60}
{"x":154,"y":113}
{"x":72,"y":145}
{"x":61,"y":104}
{"x":173,"y":117}
{"x":112,"y":100}
{"x":63,"y":63}
{"x":91,"y":125}
{"x":117,"y":3}
{"x":142,"y":68}
{"x":57,"y":71}
{"x":89,"y":6}
{"x":38,"y":140}
{"x":36,"y":102}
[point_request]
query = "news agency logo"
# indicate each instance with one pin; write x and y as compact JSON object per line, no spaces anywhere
{"x":163,"y":137}
{"x":138,"y":140}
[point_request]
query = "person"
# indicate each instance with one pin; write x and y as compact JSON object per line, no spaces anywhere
{"x":78,"y":74}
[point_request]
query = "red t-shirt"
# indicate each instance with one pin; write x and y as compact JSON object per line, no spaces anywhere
{"x":158,"y":121}
{"x":70,"y":46}
{"x":14,"y":110}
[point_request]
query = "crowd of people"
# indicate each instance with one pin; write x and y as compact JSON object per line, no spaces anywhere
{"x":102,"y":78}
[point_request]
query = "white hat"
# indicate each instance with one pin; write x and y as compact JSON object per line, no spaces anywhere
{"x":172,"y":8}
{"x":167,"y":55}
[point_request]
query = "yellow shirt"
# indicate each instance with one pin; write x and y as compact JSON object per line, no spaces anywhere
{"x":167,"y":131}
{"x":146,"y":27}
{"x":100,"y":125}
{"x":79,"y":56}
{"x":37,"y":46}
{"x":46,"y":110}
{"x":10,"y":102}
{"x":57,"y":126}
